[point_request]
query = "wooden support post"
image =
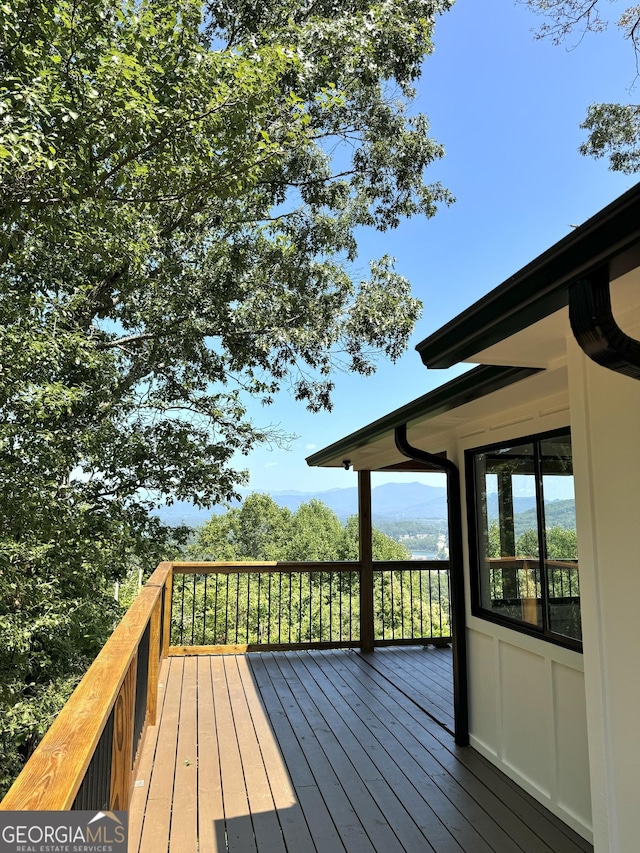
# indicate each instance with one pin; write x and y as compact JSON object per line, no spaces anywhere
{"x":366,"y":561}
{"x":166,"y":632}
{"x":154,"y":664}
{"x":122,"y":749}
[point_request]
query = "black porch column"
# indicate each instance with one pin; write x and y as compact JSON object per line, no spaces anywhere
{"x":366,"y":561}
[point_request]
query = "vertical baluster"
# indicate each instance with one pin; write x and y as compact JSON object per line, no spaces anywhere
{"x":331,"y":605}
{"x":431,"y":604}
{"x":412,"y":632}
{"x":258,"y":620}
{"x":193,"y":610}
{"x":204,"y":610}
{"x":320,"y":597}
{"x":300,"y":609}
{"x":279,"y":608}
{"x":340,"y":582}
{"x":215,"y":610}
{"x":238,"y":576}
{"x":270,"y":575}
{"x":182,"y":579}
{"x":421,"y":602}
{"x":226,"y":612}
{"x":393,"y":608}
{"x":247,"y":621}
{"x":448,"y":577}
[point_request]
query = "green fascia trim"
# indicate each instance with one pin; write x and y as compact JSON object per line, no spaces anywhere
{"x":463,"y":389}
{"x":540,"y":288}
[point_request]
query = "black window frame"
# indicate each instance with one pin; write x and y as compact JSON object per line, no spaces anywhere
{"x":540,"y":632}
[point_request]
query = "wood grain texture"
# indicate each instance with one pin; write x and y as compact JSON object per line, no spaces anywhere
{"x":54,"y":773}
{"x":168,"y":599}
{"x":122,"y":746}
{"x":154,"y":664}
{"x":185,"y":651}
{"x":328,"y":752}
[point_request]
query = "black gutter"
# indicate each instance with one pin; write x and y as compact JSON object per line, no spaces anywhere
{"x":540,"y":288}
{"x":595,"y":328}
{"x":456,"y":573}
{"x":472,"y":385}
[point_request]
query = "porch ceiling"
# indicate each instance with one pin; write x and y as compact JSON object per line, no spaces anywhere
{"x":541,"y":288}
{"x":490,"y":393}
{"x":544,"y":343}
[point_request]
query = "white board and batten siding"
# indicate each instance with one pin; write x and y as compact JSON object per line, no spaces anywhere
{"x":527,"y":702}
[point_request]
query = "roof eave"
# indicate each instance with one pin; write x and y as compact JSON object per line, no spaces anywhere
{"x":470,"y":386}
{"x":540,"y":288}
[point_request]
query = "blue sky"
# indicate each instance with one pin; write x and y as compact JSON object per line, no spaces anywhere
{"x":507,"y":108}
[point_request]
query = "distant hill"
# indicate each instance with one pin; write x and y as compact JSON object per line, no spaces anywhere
{"x":557,"y":514}
{"x":390,"y":501}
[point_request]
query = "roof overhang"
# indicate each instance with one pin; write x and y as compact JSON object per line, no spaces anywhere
{"x":540,"y":289}
{"x":519,"y":335}
{"x":373,"y":447}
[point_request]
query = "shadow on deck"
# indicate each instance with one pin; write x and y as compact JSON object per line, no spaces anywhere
{"x":324,"y":751}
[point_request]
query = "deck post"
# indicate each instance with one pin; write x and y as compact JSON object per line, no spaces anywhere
{"x":366,"y":561}
{"x":166,"y":628}
{"x":154,"y":664}
{"x":122,"y":746}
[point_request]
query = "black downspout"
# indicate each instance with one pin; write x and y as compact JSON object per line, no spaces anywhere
{"x":595,"y":328}
{"x":456,"y":565}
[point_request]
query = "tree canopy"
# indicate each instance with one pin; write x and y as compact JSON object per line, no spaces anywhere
{"x":261,"y":530}
{"x":614,"y":129}
{"x":181,"y":187}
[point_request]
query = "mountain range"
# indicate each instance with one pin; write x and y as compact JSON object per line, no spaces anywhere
{"x":390,"y":502}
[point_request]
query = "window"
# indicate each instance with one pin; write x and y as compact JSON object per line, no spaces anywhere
{"x":523,"y":536}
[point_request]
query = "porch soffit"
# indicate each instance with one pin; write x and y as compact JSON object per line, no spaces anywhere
{"x":517,"y":333}
{"x":540,"y":289}
{"x":430,"y":428}
{"x":544,"y":344}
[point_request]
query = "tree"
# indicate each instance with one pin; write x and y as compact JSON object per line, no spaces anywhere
{"x":261,"y":530}
{"x":181,"y":186}
{"x":316,"y":533}
{"x":258,"y":530}
{"x":383,"y":546}
{"x":266,"y":607}
{"x":614,"y":129}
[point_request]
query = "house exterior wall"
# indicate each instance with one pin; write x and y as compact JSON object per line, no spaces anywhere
{"x":527,"y":696}
{"x":605,"y":410}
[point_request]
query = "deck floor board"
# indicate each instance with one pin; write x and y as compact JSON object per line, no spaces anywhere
{"x":324,"y":752}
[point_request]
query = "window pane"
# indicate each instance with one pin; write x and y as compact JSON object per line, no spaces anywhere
{"x":563,"y":584}
{"x":510,"y":568}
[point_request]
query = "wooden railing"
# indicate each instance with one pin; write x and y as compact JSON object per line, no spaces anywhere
{"x":240,"y":607}
{"x":87,"y":759}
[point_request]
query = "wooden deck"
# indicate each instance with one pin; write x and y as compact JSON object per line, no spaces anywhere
{"x":324,"y":751}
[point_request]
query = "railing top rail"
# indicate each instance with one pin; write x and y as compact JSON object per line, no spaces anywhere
{"x":54,"y":773}
{"x":242,"y":566}
{"x":415,"y":565}
{"x":523,"y":562}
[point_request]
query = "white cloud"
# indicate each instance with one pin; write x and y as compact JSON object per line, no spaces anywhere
{"x":310,"y":446}
{"x":271,"y":465}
